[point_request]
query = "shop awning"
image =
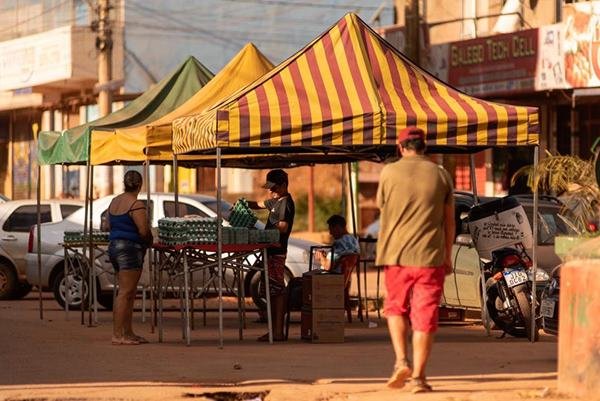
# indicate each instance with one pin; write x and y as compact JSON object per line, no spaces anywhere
{"x":348,"y":92}
{"x":152,"y":140}
{"x":71,"y":146}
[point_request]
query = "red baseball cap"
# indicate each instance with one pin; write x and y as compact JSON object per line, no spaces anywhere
{"x":411,"y":132}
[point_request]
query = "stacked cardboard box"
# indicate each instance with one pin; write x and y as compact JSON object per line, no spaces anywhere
{"x":322,"y":307}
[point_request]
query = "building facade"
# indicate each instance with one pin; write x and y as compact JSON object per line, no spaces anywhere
{"x":49,"y":71}
{"x":536,"y":53}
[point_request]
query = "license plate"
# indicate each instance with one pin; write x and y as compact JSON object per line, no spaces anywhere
{"x":515,"y":277}
{"x":547,"y":308}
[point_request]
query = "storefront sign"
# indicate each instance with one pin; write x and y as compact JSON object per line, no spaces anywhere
{"x":498,"y":64}
{"x":570,"y":51}
{"x":35,"y":59}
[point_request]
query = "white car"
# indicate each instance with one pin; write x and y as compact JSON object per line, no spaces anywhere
{"x":16,"y":220}
{"x":162,"y":205}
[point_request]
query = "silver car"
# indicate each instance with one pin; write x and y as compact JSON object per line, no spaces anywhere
{"x":16,"y":220}
{"x":162,"y":205}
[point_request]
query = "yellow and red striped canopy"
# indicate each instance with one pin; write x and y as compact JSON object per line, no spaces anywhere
{"x":350,"y":88}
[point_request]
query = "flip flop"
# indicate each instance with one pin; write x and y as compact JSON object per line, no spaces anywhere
{"x":401,"y":373}
{"x":419,"y":385}
{"x":130,"y":341}
{"x":124,"y":341}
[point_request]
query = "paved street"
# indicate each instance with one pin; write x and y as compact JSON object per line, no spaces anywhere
{"x":58,"y":359}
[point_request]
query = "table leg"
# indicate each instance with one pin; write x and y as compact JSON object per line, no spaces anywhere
{"x":204,"y":291}
{"x":192,"y":300}
{"x":187,"y":299}
{"x":366,"y":293}
{"x":160,"y":301}
{"x":268,"y":295}
{"x":243,"y":295}
{"x":240,"y":301}
{"x":67,"y":284}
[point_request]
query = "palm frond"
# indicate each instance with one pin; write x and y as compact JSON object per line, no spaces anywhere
{"x":568,"y":177}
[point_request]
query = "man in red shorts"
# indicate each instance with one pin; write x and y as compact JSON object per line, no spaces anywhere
{"x":414,"y":244}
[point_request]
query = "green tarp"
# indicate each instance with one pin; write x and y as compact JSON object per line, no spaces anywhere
{"x":72,"y":145}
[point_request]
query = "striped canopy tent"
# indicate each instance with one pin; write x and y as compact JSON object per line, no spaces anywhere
{"x":71,"y":146}
{"x":152,"y":140}
{"x":344,"y":97}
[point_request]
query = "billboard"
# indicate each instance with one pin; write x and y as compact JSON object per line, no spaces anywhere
{"x":35,"y":59}
{"x":500,"y":64}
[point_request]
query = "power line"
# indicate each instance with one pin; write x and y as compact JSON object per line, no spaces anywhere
{"x":47,"y":11}
{"x":306,"y":4}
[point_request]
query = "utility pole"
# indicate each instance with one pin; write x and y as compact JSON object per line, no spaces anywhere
{"x":104,"y":46}
{"x":412,"y":29}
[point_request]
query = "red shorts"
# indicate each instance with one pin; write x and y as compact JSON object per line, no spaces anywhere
{"x":415,"y":291}
{"x":276,"y":265}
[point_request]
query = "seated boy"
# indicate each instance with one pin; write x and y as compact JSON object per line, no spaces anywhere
{"x":343,"y":244}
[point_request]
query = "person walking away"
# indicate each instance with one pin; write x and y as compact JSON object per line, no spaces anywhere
{"x":414,"y":245}
{"x":281,"y":217}
{"x":130,"y":236}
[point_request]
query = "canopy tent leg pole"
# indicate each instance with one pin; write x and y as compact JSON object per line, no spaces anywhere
{"x":354,"y":231}
{"x":39,"y":239}
{"x":220,"y":246}
{"x":85,"y":230}
{"x":90,"y":297}
{"x":536,"y":156}
{"x":150,"y":253}
{"x":484,"y":317}
{"x":176,"y":184}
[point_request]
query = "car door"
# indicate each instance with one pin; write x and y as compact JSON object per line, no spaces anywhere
{"x":14,"y":232}
{"x":461,"y":288}
{"x":466,"y":276}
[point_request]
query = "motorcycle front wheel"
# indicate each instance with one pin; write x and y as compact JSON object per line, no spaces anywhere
{"x":524,"y":301}
{"x":505,"y":322}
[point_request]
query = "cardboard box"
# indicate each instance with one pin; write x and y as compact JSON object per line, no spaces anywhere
{"x":322,"y":290}
{"x":322,"y":325}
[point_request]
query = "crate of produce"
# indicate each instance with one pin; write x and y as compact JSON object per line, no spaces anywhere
{"x":241,"y":215}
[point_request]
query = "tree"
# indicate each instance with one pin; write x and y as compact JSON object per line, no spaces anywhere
{"x":569,"y":178}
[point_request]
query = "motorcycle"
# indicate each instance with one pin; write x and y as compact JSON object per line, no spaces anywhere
{"x":509,"y":295}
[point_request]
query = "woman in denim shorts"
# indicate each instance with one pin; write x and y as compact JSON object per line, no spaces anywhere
{"x":130,"y":236}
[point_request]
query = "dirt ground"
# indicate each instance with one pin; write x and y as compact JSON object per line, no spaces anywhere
{"x":59,"y":359}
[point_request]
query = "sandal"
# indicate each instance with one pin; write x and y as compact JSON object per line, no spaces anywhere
{"x":401,"y":372}
{"x":420,"y":385}
{"x":124,"y":341}
{"x":140,"y":339}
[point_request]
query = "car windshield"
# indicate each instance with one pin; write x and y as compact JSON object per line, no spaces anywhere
{"x":552,"y":224}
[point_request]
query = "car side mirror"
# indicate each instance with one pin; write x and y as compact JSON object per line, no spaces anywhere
{"x":464,"y":222}
{"x":464,"y":240}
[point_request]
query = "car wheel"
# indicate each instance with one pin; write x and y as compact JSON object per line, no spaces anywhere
{"x":73,"y":287}
{"x":8,"y":282}
{"x":257,"y":292}
{"x":23,"y":290}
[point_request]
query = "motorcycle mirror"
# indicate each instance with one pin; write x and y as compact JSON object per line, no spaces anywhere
{"x":464,"y":240}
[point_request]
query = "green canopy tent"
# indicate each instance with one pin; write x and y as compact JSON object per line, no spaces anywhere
{"x":72,"y":146}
